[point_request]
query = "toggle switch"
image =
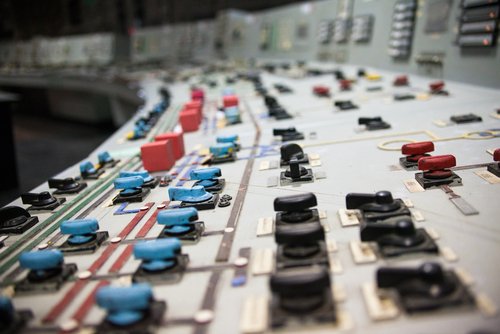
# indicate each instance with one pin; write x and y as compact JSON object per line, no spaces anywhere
{"x":404,"y":97}
{"x":296,"y":209}
{"x":345,"y":85}
{"x":106,"y":160}
{"x":467,"y":118}
{"x":196,"y":197}
{"x":494,"y":168}
{"x":66,"y":186}
{"x":233,"y":139}
{"x":270,"y":102}
{"x":398,"y":236}
{"x":208,"y":178}
{"x":43,"y":201}
{"x":373,"y":123}
{"x":425,"y":288}
{"x":296,"y":173}
{"x":223,"y":152}
{"x":283,"y":89}
{"x":361,"y":72}
{"x":292,"y":151}
{"x":84,"y":237}
{"x":15,"y":220}
{"x":437,"y":88}
{"x":162,"y":261}
{"x":413,"y":152}
{"x":345,"y":105}
{"x":400,"y":80}
{"x":47,"y":271}
{"x":129,"y":309}
{"x":230,"y":101}
{"x":132,"y":189}
{"x":11,"y":320}
{"x":301,"y":295}
{"x":149,"y":181}
{"x":339,"y":74}
{"x":437,"y":172}
{"x":321,"y":91}
{"x":376,"y":207}
{"x":181,"y":223}
{"x":300,"y":245}
{"x":89,"y":172}
{"x":288,"y":134}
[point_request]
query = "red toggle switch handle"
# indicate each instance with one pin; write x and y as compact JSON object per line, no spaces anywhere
{"x":496,"y":155}
{"x":435,"y":86}
{"x":417,"y":148}
{"x":438,"y":162}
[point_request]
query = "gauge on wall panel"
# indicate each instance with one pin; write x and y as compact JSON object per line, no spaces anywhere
{"x":403,"y":22}
{"x":362,"y":27}
{"x":478,"y":24}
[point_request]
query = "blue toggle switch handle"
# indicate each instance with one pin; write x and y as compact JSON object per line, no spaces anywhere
{"x":192,"y":195}
{"x":227,"y":139}
{"x":144,"y":174}
{"x":87,"y":167}
{"x":104,"y":157}
{"x":205,"y":173}
{"x":41,"y":260}
{"x":125,"y":305}
{"x":174,"y":217}
{"x":161,"y":249}
{"x":128,"y":182}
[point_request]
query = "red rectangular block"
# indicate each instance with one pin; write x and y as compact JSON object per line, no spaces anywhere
{"x":189,"y":120}
{"x":158,"y":155}
{"x":230,"y":101}
{"x":177,"y":139}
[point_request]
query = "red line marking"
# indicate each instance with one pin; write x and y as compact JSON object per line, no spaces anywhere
{"x":125,"y":255}
{"x":121,"y":259}
{"x":56,"y":311}
{"x":150,"y":223}
{"x":84,"y":309}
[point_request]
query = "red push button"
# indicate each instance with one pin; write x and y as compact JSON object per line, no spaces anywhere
{"x":177,"y":139}
{"x":436,"y":86}
{"x":230,"y":101}
{"x":157,"y":155}
{"x":189,"y":119}
{"x":197,"y":94}
{"x":401,"y":80}
{"x":321,"y":90}
{"x":436,"y":167}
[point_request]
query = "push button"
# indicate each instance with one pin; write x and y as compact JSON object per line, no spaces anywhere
{"x":47,"y":271}
{"x":130,"y":309}
{"x":181,"y":223}
{"x":162,"y":261}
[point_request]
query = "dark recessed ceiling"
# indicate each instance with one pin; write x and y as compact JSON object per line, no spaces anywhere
{"x":24,"y":19}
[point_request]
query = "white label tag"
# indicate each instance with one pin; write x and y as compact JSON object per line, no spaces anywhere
{"x":413,"y":186}
{"x":262,"y":261}
{"x":265,"y":226}
{"x":348,"y":217}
